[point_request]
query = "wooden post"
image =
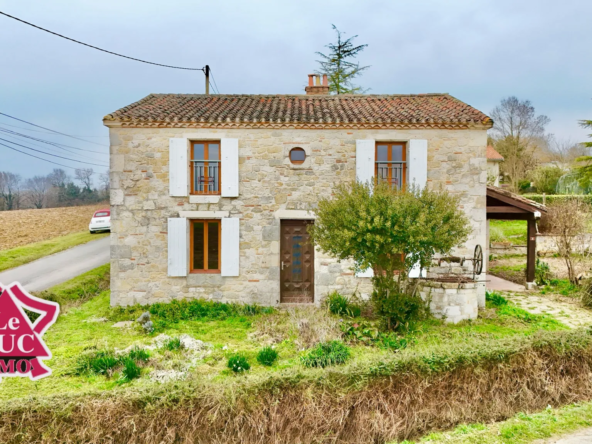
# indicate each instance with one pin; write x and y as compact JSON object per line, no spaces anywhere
{"x":531,"y":249}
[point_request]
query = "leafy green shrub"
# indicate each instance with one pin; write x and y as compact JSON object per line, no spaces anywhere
{"x":542,"y":272}
{"x":325,"y":354}
{"x":139,"y":354}
{"x":495,"y":299}
{"x":397,"y":303}
{"x":394,"y":342}
{"x":101,"y":362}
{"x":173,"y":344}
{"x":130,"y":370}
{"x":267,"y":356}
{"x":360,"y":331}
{"x":342,"y":306}
{"x":238,"y":364}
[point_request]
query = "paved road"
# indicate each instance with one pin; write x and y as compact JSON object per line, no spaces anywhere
{"x":60,"y":267}
{"x":495,"y":283}
{"x":581,"y":437}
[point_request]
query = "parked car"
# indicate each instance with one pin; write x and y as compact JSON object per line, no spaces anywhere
{"x":100,"y":221}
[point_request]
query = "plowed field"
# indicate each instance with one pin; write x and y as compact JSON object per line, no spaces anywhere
{"x":23,"y":227}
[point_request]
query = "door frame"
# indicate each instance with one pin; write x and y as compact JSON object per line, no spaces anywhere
{"x":305,"y":222}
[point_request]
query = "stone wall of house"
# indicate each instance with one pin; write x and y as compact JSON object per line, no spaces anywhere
{"x":269,"y":187}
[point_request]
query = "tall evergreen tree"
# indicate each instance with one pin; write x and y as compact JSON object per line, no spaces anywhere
{"x":585,"y":171}
{"x":339,"y":65}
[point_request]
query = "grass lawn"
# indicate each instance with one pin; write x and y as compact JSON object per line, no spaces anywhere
{"x":28,"y":253}
{"x":86,"y":325}
{"x":513,"y":231}
{"x":521,"y":429}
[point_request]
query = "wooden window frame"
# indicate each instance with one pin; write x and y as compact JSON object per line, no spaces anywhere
{"x":390,"y":159}
{"x":297,"y":162}
{"x":191,"y":246}
{"x":206,"y":144}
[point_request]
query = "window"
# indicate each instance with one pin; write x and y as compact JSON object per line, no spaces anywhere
{"x":205,"y":246}
{"x":390,"y":164}
{"x":297,"y":156}
{"x":205,"y":167}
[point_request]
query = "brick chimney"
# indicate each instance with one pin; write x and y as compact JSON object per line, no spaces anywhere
{"x":314,"y":87}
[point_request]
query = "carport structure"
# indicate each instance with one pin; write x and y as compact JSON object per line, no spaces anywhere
{"x":504,"y":205}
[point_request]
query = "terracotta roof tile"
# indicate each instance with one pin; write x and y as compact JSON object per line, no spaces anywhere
{"x":492,"y":154}
{"x":312,"y":111}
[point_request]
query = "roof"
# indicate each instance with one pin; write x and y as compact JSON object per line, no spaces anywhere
{"x":513,"y":199}
{"x":493,"y":155}
{"x":299,"y":111}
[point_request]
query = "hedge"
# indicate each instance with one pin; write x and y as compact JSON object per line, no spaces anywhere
{"x":552,"y":198}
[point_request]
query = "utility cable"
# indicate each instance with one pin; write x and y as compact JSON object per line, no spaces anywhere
{"x":53,"y":155}
{"x":214,"y":80}
{"x":48,"y":142}
{"x":37,"y":131}
{"x":97,"y":48}
{"x":53,"y":131}
{"x":37,"y":157}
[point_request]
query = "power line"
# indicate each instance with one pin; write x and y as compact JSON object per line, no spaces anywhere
{"x":37,"y":157}
{"x":56,"y":144}
{"x":212,"y":74}
{"x":65,"y":149}
{"x":97,"y":48}
{"x":53,"y":131}
{"x":50,"y":154}
{"x":37,"y":131}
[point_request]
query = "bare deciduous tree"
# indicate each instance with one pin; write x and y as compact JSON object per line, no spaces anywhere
{"x":568,"y":221}
{"x":517,"y":133}
{"x":104,"y":181}
{"x":10,"y":190}
{"x":84,"y":176}
{"x":58,"y":178}
{"x":38,"y":187}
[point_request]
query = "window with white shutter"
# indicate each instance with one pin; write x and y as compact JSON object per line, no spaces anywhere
{"x":365,"y":158}
{"x":417,"y":163}
{"x":230,"y":246}
{"x":178,"y":171}
{"x":229,"y":155}
{"x":177,"y":246}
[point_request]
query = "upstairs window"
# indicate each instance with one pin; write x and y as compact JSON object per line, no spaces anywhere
{"x":390,"y":164}
{"x":205,"y":167}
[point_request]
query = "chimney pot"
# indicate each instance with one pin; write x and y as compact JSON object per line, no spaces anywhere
{"x":315,"y":87}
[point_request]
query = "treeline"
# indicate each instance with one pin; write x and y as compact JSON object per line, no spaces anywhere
{"x":57,"y":189}
{"x":535,"y":161}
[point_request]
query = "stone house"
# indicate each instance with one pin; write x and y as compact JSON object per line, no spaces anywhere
{"x":493,"y":165}
{"x":211,"y":194}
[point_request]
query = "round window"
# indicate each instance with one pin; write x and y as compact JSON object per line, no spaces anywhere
{"x":297,"y":155}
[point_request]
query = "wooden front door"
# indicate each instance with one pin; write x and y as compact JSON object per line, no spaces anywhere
{"x":297,"y":263}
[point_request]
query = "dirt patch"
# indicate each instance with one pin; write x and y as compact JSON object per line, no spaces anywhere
{"x":24,"y":227}
{"x":512,"y":268}
{"x":399,"y":406}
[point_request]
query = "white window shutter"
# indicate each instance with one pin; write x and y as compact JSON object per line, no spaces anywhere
{"x":229,"y":157}
{"x":230,"y":246}
{"x":417,"y":163}
{"x":178,"y":251}
{"x":365,"y":159}
{"x":178,"y":167}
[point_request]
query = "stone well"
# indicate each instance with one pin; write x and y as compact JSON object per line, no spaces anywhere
{"x":451,"y":301}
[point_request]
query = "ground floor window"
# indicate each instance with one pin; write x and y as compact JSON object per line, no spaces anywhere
{"x":205,"y":246}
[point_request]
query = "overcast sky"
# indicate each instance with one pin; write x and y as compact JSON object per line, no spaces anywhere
{"x":480,"y":52}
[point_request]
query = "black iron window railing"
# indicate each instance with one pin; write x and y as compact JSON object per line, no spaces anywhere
{"x":206,"y":176}
{"x":392,"y":173}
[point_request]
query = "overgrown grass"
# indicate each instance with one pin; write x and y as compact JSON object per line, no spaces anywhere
{"x":562,"y":287}
{"x":513,"y":231}
{"x":29,"y":253}
{"x":521,"y":429}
